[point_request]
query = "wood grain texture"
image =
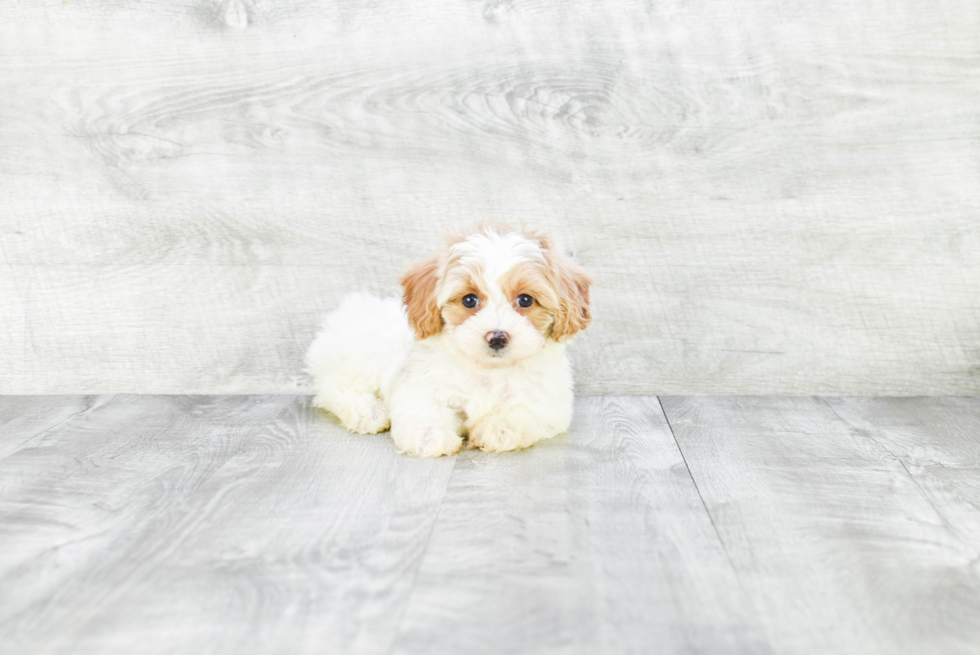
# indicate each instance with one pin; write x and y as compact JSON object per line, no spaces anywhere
{"x":592,"y":543}
{"x":255,"y":525}
{"x":219,"y":525}
{"x":29,"y":418}
{"x":166,"y":524}
{"x":772,"y":198}
{"x":852,"y":523}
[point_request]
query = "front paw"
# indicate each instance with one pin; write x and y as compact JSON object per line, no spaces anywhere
{"x":498,"y":436}
{"x":427,"y":442}
{"x":364,"y":414}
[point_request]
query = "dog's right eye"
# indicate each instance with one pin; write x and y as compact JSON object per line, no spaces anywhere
{"x":470,"y":301}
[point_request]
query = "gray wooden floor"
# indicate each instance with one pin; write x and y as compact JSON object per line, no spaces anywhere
{"x":254,"y":524}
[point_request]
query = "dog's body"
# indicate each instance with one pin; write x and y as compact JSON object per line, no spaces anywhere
{"x":438,"y":369}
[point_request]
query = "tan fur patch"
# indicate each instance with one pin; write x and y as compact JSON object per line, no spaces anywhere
{"x":572,"y":285}
{"x":419,"y":284}
{"x":567,"y":298}
{"x":455,"y":314}
{"x":465,"y":281}
{"x":531,"y":279}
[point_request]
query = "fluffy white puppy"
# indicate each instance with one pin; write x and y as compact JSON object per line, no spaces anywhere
{"x":477,"y":350}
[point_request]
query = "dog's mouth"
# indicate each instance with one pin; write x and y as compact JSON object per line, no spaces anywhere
{"x":501,"y":358}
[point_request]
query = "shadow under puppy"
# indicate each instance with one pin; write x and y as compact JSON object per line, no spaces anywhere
{"x":477,"y":349}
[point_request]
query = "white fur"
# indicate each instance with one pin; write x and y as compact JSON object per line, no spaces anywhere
{"x":370,"y":372}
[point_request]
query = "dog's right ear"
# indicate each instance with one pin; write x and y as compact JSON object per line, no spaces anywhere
{"x":420,"y":284}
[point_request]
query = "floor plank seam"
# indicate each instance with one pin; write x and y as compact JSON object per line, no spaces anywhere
{"x":707,"y":511}
{"x":912,"y":478}
{"x":415,"y":577}
{"x":88,"y":408}
{"x":935,"y":508}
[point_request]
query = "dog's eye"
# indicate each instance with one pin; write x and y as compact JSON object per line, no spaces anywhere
{"x":470,"y":301}
{"x":525,"y":300}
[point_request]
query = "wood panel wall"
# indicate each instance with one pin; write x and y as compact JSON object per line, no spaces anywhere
{"x":773,"y":196}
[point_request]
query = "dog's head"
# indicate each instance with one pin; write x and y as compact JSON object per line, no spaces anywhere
{"x":498,"y":295}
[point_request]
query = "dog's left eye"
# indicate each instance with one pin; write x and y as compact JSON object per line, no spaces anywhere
{"x":525,"y":300}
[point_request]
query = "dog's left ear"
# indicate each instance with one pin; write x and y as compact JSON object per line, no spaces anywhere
{"x":572,"y":286}
{"x":420,"y":284}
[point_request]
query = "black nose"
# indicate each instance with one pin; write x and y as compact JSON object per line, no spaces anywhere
{"x":497,"y":339}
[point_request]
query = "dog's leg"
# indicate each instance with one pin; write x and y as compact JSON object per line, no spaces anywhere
{"x":513,"y":429}
{"x":424,"y":428}
{"x":358,"y":411}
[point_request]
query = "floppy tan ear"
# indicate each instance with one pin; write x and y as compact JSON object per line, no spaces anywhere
{"x":420,"y":284}
{"x":572,"y":286}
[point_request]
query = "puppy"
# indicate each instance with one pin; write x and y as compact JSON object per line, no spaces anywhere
{"x":477,"y":350}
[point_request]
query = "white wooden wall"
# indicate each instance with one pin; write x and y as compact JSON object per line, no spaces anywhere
{"x":773,"y":196}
